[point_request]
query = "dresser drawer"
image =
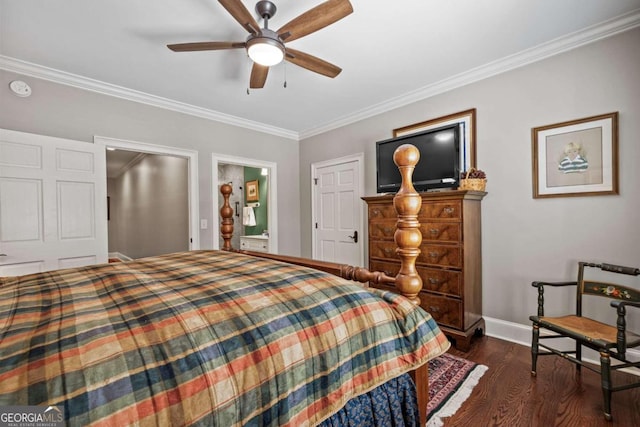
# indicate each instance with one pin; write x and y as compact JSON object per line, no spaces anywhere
{"x":441,"y":255}
{"x":436,"y":210}
{"x":441,"y":210}
{"x":382,"y":249}
{"x":433,"y":279}
{"x":437,"y":255}
{"x":434,"y":231}
{"x":445,"y":311}
{"x":386,"y":211}
{"x":383,"y":230}
{"x":441,"y":231}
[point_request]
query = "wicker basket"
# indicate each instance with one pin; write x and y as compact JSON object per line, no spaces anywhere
{"x":476,"y":184}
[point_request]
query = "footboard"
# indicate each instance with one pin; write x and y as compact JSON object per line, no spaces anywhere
{"x":408,"y":238}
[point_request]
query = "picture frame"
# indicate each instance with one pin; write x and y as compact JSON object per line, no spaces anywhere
{"x":576,"y":157}
{"x":252,"y":191}
{"x":467,"y":122}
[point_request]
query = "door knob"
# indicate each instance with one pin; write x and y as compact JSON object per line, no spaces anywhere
{"x":354,"y":237}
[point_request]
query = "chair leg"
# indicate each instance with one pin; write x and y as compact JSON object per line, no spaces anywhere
{"x":605,"y":373}
{"x":578,"y":356}
{"x":534,"y":349}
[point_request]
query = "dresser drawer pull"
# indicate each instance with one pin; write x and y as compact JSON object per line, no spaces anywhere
{"x":434,"y":281}
{"x":449,"y":210}
{"x":376,"y":212}
{"x":434,"y":254}
{"x":388,"y":230}
{"x":433,"y":309}
{"x":388,"y":251}
{"x":433,"y":231}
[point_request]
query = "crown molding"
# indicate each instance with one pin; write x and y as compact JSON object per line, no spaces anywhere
{"x":61,"y":77}
{"x":577,"y":39}
{"x":554,"y":47}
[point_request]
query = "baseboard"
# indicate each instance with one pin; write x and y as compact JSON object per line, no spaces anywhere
{"x":121,"y":257}
{"x":521,"y":334}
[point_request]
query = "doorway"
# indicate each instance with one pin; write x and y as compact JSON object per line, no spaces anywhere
{"x":146,"y":193}
{"x":144,"y":153}
{"x":239,"y":188}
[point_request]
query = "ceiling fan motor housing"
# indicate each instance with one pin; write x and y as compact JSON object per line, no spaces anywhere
{"x":265,"y":36}
{"x":266,"y":9}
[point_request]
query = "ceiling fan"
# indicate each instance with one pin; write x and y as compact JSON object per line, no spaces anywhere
{"x":266,"y":47}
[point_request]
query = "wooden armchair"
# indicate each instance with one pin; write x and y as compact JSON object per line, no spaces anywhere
{"x":610,"y":340}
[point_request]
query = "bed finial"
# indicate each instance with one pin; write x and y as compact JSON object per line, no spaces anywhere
{"x":408,"y":236}
{"x":226,"y":212}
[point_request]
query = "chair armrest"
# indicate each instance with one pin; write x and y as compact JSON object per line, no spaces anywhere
{"x":556,"y":284}
{"x":621,"y":323}
{"x":617,"y":304}
{"x":540,"y":286}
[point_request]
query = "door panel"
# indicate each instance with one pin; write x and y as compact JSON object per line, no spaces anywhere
{"x":52,"y":203}
{"x":76,"y":208}
{"x":20,"y":210}
{"x":338,"y":215}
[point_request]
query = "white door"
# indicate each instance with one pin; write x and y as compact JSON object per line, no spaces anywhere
{"x":338,"y":211}
{"x":53,"y":197}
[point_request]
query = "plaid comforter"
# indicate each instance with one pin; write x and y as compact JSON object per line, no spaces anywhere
{"x":202,"y":338}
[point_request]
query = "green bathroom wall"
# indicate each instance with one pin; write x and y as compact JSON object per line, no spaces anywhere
{"x":252,"y":174}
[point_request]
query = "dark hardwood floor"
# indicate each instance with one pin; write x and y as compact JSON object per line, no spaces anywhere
{"x":507,"y":395}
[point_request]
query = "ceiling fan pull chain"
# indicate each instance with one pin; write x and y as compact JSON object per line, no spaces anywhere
{"x":285,"y":75}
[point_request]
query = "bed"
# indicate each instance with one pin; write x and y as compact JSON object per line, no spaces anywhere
{"x":222,"y":338}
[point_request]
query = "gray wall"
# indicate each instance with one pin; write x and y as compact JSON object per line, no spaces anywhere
{"x":523,"y":239}
{"x":66,"y":112}
{"x":150,"y":208}
{"x":526,"y":239}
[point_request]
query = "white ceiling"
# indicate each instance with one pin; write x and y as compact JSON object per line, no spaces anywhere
{"x":391,"y":52}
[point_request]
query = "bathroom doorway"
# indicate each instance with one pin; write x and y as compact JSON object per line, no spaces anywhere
{"x":254,"y":201}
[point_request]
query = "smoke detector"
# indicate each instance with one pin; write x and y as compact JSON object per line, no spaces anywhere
{"x":20,"y":88}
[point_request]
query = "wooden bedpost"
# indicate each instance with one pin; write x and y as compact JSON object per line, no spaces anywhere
{"x":408,"y":236}
{"x":226,"y":212}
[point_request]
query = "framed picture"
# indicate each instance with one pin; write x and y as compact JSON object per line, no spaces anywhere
{"x":252,"y":194}
{"x":576,"y":158}
{"x":467,"y":122}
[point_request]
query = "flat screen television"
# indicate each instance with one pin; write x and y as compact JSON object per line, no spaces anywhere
{"x":439,"y":165}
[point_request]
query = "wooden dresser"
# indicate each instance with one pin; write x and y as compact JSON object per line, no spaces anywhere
{"x":450,"y":262}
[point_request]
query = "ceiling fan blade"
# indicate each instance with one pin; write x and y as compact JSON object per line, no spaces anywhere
{"x":315,"y":19}
{"x":241,"y":14}
{"x":258,"y":76}
{"x":190,"y":47}
{"x":312,"y":63}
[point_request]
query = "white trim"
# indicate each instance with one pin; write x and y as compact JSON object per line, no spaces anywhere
{"x":272,"y":209}
{"x":192,"y":162}
{"x":571,"y":41}
{"x":120,"y":256}
{"x":74,"y":80}
{"x":359,"y":159}
{"x":521,"y":334}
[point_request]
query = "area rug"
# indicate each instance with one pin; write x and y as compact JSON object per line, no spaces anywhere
{"x":451,"y":380}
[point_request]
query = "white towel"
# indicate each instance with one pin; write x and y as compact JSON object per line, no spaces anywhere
{"x":248,"y":216}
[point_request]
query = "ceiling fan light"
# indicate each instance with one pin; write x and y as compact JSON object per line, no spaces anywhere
{"x":265,"y":51}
